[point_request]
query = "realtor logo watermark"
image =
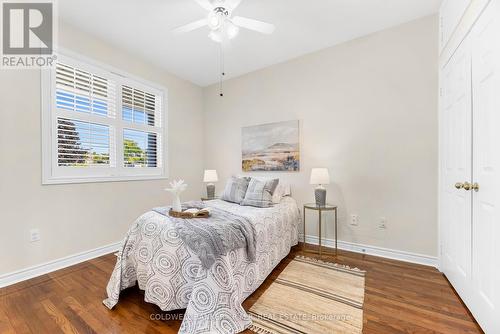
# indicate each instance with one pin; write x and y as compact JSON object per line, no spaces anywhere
{"x":28,"y":30}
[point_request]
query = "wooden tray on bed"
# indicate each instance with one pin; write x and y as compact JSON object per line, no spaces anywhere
{"x":189,"y":215}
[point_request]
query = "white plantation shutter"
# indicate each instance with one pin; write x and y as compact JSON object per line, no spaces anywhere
{"x":148,"y":157}
{"x":100,"y":125}
{"x":141,"y":109}
{"x":81,"y":91}
{"x":84,"y":143}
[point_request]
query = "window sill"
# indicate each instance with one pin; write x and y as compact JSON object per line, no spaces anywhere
{"x":72,"y":180}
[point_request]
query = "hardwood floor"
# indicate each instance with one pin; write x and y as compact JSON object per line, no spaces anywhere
{"x":400,"y":298}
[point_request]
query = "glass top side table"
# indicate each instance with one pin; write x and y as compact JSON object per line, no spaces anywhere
{"x":204,"y":199}
{"x":320,"y":209}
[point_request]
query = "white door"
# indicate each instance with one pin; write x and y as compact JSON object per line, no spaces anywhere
{"x":450,"y":14}
{"x":456,"y":164}
{"x":486,"y":169}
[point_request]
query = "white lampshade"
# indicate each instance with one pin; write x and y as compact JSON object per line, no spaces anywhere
{"x":320,"y":176}
{"x":232,"y":30}
{"x":216,"y":36}
{"x":210,"y":176}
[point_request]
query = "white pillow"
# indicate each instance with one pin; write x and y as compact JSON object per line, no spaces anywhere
{"x":260,"y":193}
{"x":281,"y":191}
{"x":235,"y":189}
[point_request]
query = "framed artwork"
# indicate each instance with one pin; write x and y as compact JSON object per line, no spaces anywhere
{"x":271,"y":147}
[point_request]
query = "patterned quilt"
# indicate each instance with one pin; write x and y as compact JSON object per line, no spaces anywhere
{"x":172,"y":276}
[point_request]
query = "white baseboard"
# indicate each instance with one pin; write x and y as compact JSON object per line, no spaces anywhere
{"x":45,"y":268}
{"x":376,"y":251}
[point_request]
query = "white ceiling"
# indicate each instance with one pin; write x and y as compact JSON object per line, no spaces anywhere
{"x":143,"y":28}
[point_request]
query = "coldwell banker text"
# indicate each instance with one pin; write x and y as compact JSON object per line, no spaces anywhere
{"x":27,"y":34}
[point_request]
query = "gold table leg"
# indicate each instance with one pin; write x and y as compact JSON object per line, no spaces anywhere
{"x":320,"y":232}
{"x":304,"y":235}
{"x":336,"y":238}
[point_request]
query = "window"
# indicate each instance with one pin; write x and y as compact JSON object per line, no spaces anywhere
{"x":82,"y":143}
{"x":99,"y":125}
{"x":140,"y":148}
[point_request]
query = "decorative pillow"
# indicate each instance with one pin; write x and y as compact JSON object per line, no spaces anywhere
{"x":235,"y":190}
{"x":282,"y":190}
{"x":260,"y":193}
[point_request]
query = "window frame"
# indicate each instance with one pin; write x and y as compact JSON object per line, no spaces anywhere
{"x":52,"y":173}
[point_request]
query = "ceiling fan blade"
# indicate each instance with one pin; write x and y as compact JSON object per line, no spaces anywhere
{"x":205,"y":4}
{"x":233,"y":4}
{"x":190,"y":26}
{"x":263,"y":27}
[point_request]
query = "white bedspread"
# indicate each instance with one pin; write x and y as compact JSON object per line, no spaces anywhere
{"x":154,"y":256}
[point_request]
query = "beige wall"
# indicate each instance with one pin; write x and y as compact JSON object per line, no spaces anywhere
{"x":368,"y":112}
{"x":79,"y":217}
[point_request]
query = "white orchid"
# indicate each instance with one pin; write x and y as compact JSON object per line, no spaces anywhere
{"x":177,"y":187}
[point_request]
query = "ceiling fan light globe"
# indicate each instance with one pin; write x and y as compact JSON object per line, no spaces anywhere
{"x":216,"y":36}
{"x":232,"y":30}
{"x":214,"y":21}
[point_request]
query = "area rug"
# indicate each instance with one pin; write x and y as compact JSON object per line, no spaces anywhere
{"x":311,"y":296}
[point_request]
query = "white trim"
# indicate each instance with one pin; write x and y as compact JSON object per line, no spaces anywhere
{"x":462,"y":29}
{"x":115,"y":70}
{"x":98,"y":179}
{"x":376,"y":251}
{"x":51,"y":174}
{"x":48,"y":267}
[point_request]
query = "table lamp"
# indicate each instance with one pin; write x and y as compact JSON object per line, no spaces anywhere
{"x":320,"y":177}
{"x":210,"y":177}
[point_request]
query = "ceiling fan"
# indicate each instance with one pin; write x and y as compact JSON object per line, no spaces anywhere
{"x":223,"y":26}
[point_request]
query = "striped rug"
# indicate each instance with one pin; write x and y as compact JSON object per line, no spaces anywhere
{"x":311,"y":296}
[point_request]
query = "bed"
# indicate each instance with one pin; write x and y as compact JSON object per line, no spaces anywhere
{"x":155,"y":257}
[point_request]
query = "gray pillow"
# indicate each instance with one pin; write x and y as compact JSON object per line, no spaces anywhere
{"x":235,"y":189}
{"x":260,"y":193}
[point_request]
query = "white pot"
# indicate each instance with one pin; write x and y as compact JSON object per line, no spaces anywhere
{"x":176,"y":204}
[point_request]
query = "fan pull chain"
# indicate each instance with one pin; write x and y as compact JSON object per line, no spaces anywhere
{"x":222,"y":71}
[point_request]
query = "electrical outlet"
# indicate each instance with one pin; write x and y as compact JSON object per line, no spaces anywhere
{"x":34,"y":235}
{"x":382,"y":223}
{"x":354,"y":220}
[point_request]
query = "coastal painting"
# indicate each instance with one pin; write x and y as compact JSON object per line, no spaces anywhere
{"x":271,"y":147}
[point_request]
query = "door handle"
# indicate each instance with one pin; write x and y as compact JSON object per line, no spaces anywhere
{"x":467,"y":186}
